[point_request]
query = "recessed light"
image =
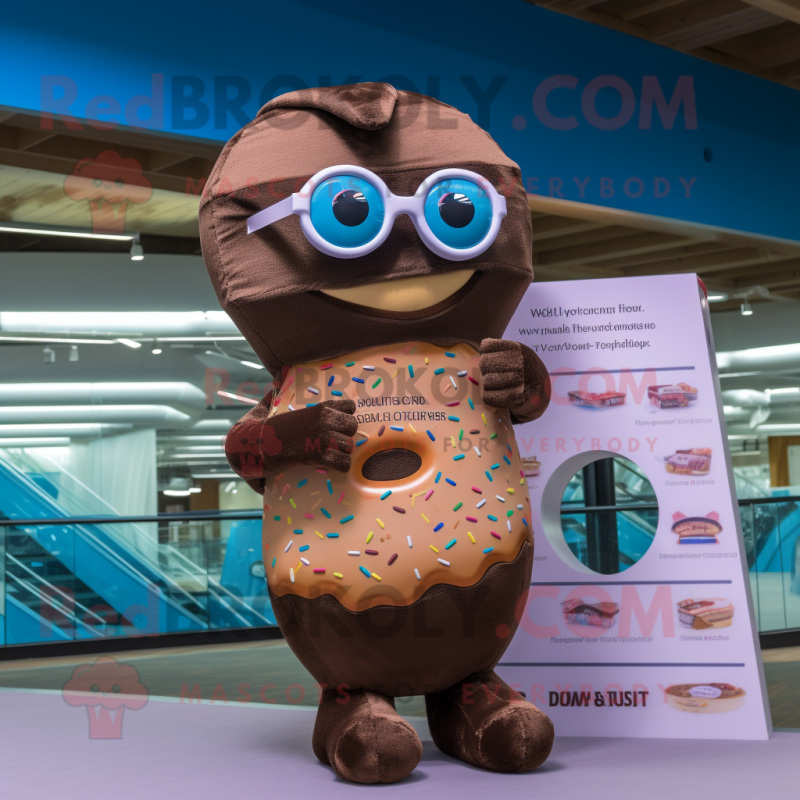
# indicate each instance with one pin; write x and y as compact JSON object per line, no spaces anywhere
{"x":113,"y":237}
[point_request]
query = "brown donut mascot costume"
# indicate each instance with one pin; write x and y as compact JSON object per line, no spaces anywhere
{"x":372,"y":244}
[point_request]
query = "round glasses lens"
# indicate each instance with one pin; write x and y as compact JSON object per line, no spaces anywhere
{"x":347,"y":211}
{"x":459,"y":213}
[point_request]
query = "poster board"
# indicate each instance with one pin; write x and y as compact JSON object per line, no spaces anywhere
{"x":638,"y":665}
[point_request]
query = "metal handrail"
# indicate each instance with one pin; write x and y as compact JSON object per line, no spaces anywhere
{"x":112,"y":520}
{"x":227,"y":516}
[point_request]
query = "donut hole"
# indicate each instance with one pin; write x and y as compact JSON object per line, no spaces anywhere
{"x":391,"y":465}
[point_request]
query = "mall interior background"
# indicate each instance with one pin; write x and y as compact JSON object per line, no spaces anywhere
{"x":120,"y":375}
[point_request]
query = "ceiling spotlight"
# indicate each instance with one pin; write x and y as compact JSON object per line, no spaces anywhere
{"x":747,"y":309}
{"x":73,"y":353}
{"x":130,"y":343}
{"x":156,"y":349}
{"x":137,"y":253}
{"x":48,"y":355}
{"x":717,"y":297}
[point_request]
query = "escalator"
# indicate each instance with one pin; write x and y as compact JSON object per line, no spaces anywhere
{"x":632,"y":530}
{"x":80,"y":580}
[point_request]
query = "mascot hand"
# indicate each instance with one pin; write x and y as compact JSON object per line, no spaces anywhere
{"x":327,"y":430}
{"x":515,"y":378}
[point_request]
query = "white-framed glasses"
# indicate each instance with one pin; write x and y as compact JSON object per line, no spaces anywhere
{"x":347,"y":211}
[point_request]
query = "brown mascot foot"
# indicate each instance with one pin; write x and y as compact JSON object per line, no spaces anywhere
{"x":487,"y":724}
{"x":364,"y":739}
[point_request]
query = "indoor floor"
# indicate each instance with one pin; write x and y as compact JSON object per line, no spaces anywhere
{"x":268,"y":672}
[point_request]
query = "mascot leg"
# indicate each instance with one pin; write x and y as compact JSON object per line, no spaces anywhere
{"x":487,"y":724}
{"x":361,"y":735}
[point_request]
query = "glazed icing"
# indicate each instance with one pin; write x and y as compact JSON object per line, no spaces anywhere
{"x":370,"y":542}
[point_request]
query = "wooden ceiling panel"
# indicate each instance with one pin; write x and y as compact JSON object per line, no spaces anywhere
{"x":755,"y":36}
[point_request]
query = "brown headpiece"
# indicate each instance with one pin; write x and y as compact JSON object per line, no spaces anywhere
{"x":270,"y":281}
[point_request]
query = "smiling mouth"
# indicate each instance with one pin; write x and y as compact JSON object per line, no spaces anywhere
{"x":406,"y":295}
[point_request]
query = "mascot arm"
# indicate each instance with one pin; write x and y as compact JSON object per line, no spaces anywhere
{"x":515,"y":378}
{"x":259,"y":446}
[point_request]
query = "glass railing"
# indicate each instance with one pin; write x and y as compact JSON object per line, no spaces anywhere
{"x":78,"y":578}
{"x":771,"y":529}
{"x":73,"y":578}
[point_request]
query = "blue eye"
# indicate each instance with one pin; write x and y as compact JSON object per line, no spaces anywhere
{"x":459,"y":213}
{"x":347,"y":211}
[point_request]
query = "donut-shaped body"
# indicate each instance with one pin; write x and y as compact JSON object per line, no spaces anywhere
{"x":435,"y":493}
